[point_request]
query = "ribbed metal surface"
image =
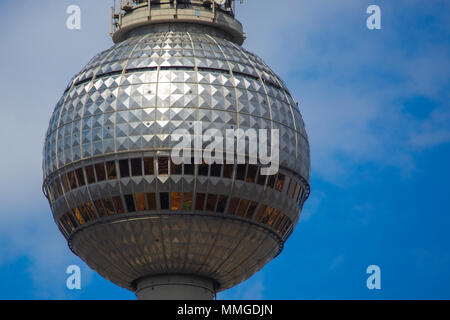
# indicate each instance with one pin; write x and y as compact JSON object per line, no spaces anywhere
{"x":111,"y":106}
{"x":224,"y":250}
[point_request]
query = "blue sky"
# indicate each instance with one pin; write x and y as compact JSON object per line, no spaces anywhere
{"x":376,"y":106}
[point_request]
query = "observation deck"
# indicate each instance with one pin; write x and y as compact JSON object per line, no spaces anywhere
{"x":138,"y":14}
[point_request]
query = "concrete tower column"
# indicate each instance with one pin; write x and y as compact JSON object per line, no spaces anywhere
{"x":175,"y":287}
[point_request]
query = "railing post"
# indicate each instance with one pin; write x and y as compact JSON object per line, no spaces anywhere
{"x":112,"y":20}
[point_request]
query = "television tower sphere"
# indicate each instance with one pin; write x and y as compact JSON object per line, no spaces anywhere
{"x":147,"y":223}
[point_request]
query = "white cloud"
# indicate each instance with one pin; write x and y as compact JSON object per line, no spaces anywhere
{"x":40,"y":55}
{"x":47,"y":253}
{"x":432,"y":131}
{"x":254,"y":291}
{"x":351,"y":82}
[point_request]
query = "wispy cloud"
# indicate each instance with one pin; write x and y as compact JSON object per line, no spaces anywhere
{"x":252,"y":289}
{"x":352,"y":83}
{"x":337,"y":262}
{"x":37,"y":238}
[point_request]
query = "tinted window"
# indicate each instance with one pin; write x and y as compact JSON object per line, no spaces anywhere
{"x":163,"y":166}
{"x":151,"y":201}
{"x":90,"y":174}
{"x":80,"y":177}
{"x":187,"y":201}
{"x":136,"y":167}
{"x":200,"y":201}
{"x":251,"y":174}
{"x":211,"y":202}
{"x":189,"y":169}
{"x":233,"y":205}
{"x":216,"y":170}
{"x":175,"y":200}
{"x":164,"y":200}
{"x":203,"y":169}
{"x":148,"y":167}
{"x":111,"y":170}
{"x":221,"y":205}
{"x":124,"y":169}
{"x":140,"y":201}
{"x":240,"y":172}
{"x":100,"y":210}
{"x":129,"y":201}
{"x":280,"y":182}
{"x":271,"y":181}
{"x":107,"y":203}
{"x":176,"y":168}
{"x":72,"y":180}
{"x":118,"y":204}
{"x":100,"y":171}
{"x":228,"y":171}
{"x":251,"y":210}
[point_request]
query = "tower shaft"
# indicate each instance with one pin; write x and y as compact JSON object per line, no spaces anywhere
{"x":175,"y":287}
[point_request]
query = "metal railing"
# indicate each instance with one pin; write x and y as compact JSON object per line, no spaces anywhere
{"x":127,"y":6}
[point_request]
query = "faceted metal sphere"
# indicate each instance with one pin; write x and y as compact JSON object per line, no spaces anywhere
{"x":125,"y":208}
